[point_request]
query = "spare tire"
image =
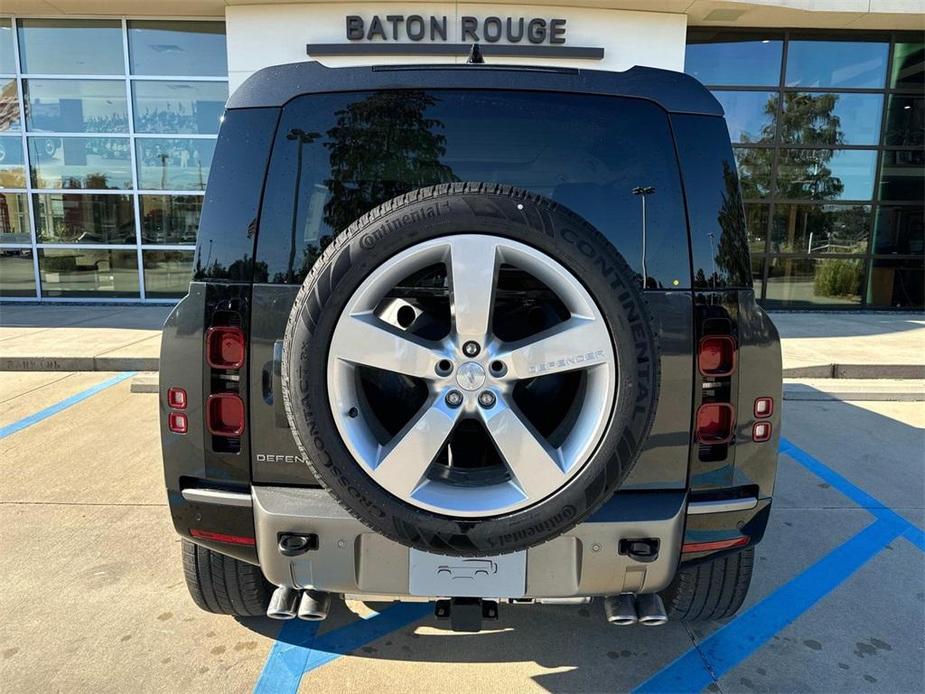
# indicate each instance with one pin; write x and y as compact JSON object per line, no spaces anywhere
{"x":470,"y":369}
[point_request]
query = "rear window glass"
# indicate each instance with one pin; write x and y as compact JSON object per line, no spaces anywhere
{"x":337,"y":156}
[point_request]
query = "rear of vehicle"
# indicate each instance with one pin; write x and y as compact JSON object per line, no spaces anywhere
{"x":468,"y":334}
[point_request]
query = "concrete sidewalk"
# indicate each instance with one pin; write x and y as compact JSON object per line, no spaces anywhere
{"x":127,"y":338}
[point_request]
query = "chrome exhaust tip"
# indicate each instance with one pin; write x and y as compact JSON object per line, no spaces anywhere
{"x":620,"y":609}
{"x":651,"y":610}
{"x":314,"y":605}
{"x":283,"y":603}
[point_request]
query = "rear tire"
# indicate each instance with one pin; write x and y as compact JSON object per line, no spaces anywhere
{"x":712,"y":590}
{"x":224,"y":585}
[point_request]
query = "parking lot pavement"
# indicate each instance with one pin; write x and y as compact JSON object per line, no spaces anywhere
{"x":93,"y":596}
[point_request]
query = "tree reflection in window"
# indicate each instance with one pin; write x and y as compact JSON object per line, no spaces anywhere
{"x":806,"y":119}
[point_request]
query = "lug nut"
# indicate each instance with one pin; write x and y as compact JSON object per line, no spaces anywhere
{"x":454,"y":398}
{"x":471,"y":349}
{"x":487,"y":399}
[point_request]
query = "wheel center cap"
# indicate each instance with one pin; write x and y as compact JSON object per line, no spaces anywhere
{"x":470,"y":376}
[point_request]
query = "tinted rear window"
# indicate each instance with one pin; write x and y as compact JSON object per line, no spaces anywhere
{"x":337,"y":156}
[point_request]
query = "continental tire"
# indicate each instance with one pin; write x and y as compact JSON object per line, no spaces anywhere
{"x":517,"y":222}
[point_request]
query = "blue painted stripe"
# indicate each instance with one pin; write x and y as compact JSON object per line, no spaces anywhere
{"x":299,"y":650}
{"x":356,"y":635}
{"x":11,"y":429}
{"x":286,"y":661}
{"x":736,"y":641}
{"x":852,"y":491}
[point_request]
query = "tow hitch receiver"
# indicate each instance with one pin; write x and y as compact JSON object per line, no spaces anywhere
{"x":467,"y":614}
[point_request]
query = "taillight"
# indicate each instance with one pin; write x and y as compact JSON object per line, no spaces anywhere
{"x":764,"y":407}
{"x":222,"y":537}
{"x":690,"y":547}
{"x":176,"y":398}
{"x":225,"y":414}
{"x":177,"y":422}
{"x":225,"y":347}
{"x":715,"y":422}
{"x":761,"y":432}
{"x":716,"y":355}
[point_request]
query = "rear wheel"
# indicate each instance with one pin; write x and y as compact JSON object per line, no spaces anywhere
{"x":224,"y":585}
{"x":711,"y":590}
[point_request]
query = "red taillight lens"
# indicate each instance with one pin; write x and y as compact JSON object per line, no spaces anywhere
{"x":717,"y":355}
{"x":764,"y":407}
{"x":225,"y":414}
{"x":225,"y":347}
{"x":761,"y":432}
{"x":222,"y":537}
{"x":715,"y":422}
{"x":690,"y":547}
{"x":177,"y":423}
{"x":176,"y":398}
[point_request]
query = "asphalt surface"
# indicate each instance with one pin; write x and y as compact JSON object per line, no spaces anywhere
{"x":93,"y":597}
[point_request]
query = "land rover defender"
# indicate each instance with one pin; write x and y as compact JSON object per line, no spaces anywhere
{"x":471,"y":334}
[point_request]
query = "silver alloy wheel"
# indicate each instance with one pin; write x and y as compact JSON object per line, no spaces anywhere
{"x":536,"y":468}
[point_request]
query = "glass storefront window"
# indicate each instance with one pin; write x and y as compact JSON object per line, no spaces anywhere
{"x":751,"y":116}
{"x":831,"y":119}
{"x":88,"y":272}
{"x":179,"y":107}
{"x":80,"y":162}
{"x":14,"y":218}
{"x":908,"y":70}
{"x":818,"y":229}
{"x":17,"y":274}
{"x":84,"y":218}
{"x":809,"y":283}
{"x":173,"y":164}
{"x":167,"y":273}
{"x":76,"y":106}
{"x":12,"y":164}
{"x":825,"y":174}
{"x":170,"y":219}
{"x":71,"y":47}
{"x":896,"y":282}
{"x":177,"y":48}
{"x":7,"y":60}
{"x":754,"y":167}
{"x":10,"y":118}
{"x":905,"y":121}
{"x":902,"y":175}
{"x":836,"y":64}
{"x":731,"y":58}
{"x":900,"y":230}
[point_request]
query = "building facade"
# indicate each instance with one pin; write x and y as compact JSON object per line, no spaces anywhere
{"x":109,"y":114}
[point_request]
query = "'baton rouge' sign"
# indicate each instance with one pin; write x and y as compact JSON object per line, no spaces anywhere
{"x":398,"y":34}
{"x":491,"y":29}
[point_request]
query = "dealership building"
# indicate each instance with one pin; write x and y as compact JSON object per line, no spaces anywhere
{"x":109,"y":112}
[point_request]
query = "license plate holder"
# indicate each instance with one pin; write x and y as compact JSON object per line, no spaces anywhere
{"x":436,"y":575}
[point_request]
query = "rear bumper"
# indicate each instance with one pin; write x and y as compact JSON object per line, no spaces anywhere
{"x":352,"y":559}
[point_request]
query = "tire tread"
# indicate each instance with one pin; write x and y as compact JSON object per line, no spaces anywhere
{"x":711,"y":590}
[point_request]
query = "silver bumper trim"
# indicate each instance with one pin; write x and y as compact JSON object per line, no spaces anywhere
{"x":352,"y":559}
{"x":695,"y":508}
{"x":218,"y":496}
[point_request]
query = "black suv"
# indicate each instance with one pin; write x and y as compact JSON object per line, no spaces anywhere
{"x":471,"y":334}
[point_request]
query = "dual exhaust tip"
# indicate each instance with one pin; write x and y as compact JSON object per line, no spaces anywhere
{"x":289,"y":603}
{"x":627,"y":609}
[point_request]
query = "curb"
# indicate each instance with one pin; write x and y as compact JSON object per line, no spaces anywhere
{"x":855,"y":371}
{"x":79,"y":363}
{"x":858,"y":371}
